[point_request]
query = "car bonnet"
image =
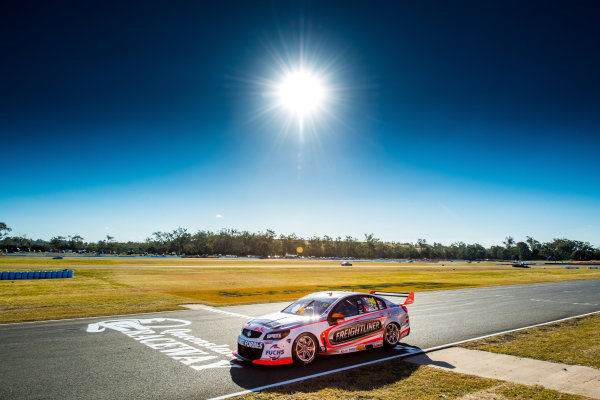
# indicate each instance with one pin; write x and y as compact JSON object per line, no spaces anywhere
{"x":279,"y":320}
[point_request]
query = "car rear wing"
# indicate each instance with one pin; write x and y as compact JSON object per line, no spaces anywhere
{"x":410,"y":297}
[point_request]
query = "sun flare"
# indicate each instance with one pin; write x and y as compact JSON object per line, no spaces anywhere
{"x":301,"y":93}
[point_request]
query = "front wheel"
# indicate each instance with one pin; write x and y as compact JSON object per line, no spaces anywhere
{"x":391,"y":336}
{"x":304,"y":350}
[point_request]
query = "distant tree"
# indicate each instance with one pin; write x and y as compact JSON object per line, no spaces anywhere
{"x":76,"y":242}
{"x":475,"y":252}
{"x":509,"y":244}
{"x":582,"y":251}
{"x":535,"y":247}
{"x":58,"y":242}
{"x":109,"y":240}
{"x":180,"y":238}
{"x":496,"y":252}
{"x":231,"y":241}
{"x":349,"y":246}
{"x":4,"y":230}
{"x":438,"y":251}
{"x":370,"y":241}
{"x":329,"y":246}
{"x":523,"y":251}
{"x":315,"y":247}
{"x":202,"y":242}
{"x":424,"y":248}
{"x":458,"y":250}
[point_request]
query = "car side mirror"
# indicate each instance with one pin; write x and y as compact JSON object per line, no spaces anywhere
{"x":335,"y":318}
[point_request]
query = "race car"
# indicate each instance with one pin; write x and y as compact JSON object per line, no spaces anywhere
{"x":324,"y":323}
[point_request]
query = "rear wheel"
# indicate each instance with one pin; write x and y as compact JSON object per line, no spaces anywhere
{"x":304,"y":350}
{"x":391,"y":336}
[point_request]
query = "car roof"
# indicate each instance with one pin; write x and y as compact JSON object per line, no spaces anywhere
{"x":335,"y":294}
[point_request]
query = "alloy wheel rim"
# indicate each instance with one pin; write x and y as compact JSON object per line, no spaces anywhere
{"x":305,"y":348}
{"x":391,"y":334}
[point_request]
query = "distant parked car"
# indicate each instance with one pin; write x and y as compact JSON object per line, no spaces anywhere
{"x":346,"y":264}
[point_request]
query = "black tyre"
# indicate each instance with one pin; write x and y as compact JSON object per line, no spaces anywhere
{"x":304,"y":349}
{"x":391,"y":335}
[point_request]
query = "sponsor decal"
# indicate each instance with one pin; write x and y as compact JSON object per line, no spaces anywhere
{"x":168,"y":336}
{"x":274,"y":352}
{"x":254,"y":328}
{"x":251,"y":344}
{"x":356,"y":331}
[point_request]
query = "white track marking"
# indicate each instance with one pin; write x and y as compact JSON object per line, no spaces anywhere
{"x":563,"y":302}
{"x":457,"y":305}
{"x":93,"y":317}
{"x":206,"y":308}
{"x":391,"y":358}
{"x":216,"y":310}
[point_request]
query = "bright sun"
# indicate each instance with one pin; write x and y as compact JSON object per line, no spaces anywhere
{"x":301,"y":92}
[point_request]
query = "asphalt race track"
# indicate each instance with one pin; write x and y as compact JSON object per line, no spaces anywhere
{"x":134,"y":356}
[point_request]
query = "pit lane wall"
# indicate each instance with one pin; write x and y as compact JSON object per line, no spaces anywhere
{"x":20,"y":275}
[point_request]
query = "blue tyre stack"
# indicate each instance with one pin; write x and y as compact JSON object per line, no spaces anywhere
{"x":23,"y":275}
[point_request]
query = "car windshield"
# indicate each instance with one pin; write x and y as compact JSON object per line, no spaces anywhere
{"x":310,"y":305}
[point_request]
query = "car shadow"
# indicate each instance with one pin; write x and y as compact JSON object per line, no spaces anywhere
{"x":423,"y":359}
{"x":379,"y":367}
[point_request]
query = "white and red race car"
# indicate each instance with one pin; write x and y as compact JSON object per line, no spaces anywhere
{"x":324,"y":323}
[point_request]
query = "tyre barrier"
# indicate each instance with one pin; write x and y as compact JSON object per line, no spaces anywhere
{"x":571,"y":267}
{"x":21,"y":275}
{"x":592,"y":267}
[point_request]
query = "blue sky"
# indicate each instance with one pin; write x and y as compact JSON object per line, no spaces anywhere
{"x":462,"y":121}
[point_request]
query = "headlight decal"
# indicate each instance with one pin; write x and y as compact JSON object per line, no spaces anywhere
{"x":277,"y":335}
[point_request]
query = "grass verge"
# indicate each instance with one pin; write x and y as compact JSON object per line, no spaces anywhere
{"x":574,"y":341}
{"x":106,"y":290}
{"x":398,"y":380}
{"x":89,"y":293}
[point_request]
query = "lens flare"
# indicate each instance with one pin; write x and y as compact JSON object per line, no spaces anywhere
{"x":301,"y":93}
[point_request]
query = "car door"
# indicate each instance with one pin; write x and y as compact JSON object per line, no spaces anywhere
{"x":361,"y":322}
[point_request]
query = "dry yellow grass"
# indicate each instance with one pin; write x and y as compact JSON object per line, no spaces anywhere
{"x":397,"y":380}
{"x":90,"y":292}
{"x":571,"y":342}
{"x":171,"y":261}
{"x":102,"y":290}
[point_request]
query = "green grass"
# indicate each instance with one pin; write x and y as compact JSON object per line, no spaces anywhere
{"x":573,"y":342}
{"x":398,"y":380}
{"x":102,"y":290}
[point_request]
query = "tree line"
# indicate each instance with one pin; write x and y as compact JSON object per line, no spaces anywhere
{"x":269,"y":244}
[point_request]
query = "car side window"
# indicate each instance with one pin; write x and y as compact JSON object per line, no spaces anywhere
{"x":380,"y":304}
{"x":346,"y":307}
{"x":367,"y":304}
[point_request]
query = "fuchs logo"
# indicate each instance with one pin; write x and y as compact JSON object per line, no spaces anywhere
{"x":349,"y":333}
{"x":274,"y":352}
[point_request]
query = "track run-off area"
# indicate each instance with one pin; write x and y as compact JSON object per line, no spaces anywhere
{"x":187,"y":354}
